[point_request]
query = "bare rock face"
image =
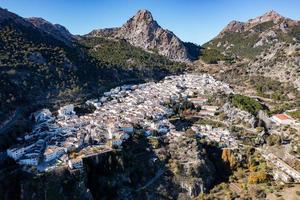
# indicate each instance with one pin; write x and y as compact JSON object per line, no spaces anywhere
{"x":233,"y":26}
{"x":143,"y":31}
{"x":108,"y":32}
{"x":279,"y":21}
{"x":56,"y":30}
{"x":192,"y":169}
{"x":269,"y":16}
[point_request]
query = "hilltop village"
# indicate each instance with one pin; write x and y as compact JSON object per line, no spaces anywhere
{"x":118,"y":111}
{"x":148,"y":109}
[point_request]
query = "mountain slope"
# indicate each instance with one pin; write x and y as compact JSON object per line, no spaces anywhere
{"x":246,"y":40}
{"x":143,"y":31}
{"x":37,"y":68}
{"x":56,"y":30}
{"x":268,"y":45}
{"x":121,"y":53}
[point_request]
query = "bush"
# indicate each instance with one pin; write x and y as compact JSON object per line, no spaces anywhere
{"x":211,"y":56}
{"x":257,"y":177}
{"x":246,"y":103}
{"x":295,"y":114}
{"x":273,"y":140}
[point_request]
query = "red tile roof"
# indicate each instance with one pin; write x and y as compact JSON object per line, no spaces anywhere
{"x":282,"y":116}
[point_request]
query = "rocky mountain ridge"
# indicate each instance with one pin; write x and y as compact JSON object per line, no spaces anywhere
{"x":267,"y":45}
{"x":260,"y":32}
{"x":56,"y":30}
{"x":271,"y":16}
{"x":143,"y":31}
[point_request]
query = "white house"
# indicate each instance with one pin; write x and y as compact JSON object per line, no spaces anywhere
{"x":29,"y":161}
{"x":52,"y":153}
{"x":66,"y":111}
{"x":110,"y":129}
{"x":282,"y":119}
{"x":42,"y":115}
{"x":198,"y":101}
{"x":206,"y":113}
{"x":210,"y":108}
{"x":127,"y":129}
{"x":16,"y":153}
{"x":94,"y":102}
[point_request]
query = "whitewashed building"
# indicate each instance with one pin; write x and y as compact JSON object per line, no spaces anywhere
{"x":66,"y":111}
{"x":282,"y":119}
{"x":42,"y":115}
{"x":29,"y":161}
{"x":52,"y":153}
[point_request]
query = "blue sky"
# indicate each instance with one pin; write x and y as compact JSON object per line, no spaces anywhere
{"x":196,"y":21}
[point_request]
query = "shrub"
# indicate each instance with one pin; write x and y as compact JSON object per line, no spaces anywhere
{"x":211,"y":56}
{"x":246,"y":103}
{"x":257,"y":177}
{"x":273,"y":140}
{"x":295,"y":114}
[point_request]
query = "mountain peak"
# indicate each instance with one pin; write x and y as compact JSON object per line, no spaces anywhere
{"x":144,"y":32}
{"x":272,"y":14}
{"x":143,"y":15}
{"x":268,"y":16}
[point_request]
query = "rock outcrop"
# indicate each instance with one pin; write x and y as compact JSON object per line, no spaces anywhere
{"x":192,"y":169}
{"x":143,"y":31}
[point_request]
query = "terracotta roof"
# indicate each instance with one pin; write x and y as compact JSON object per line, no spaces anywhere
{"x":282,"y":116}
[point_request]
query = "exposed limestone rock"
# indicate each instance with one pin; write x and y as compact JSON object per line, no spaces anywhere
{"x":280,"y":62}
{"x":143,"y":31}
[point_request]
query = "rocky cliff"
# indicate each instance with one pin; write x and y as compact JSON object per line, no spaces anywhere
{"x":143,"y":31}
{"x":156,"y":168}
